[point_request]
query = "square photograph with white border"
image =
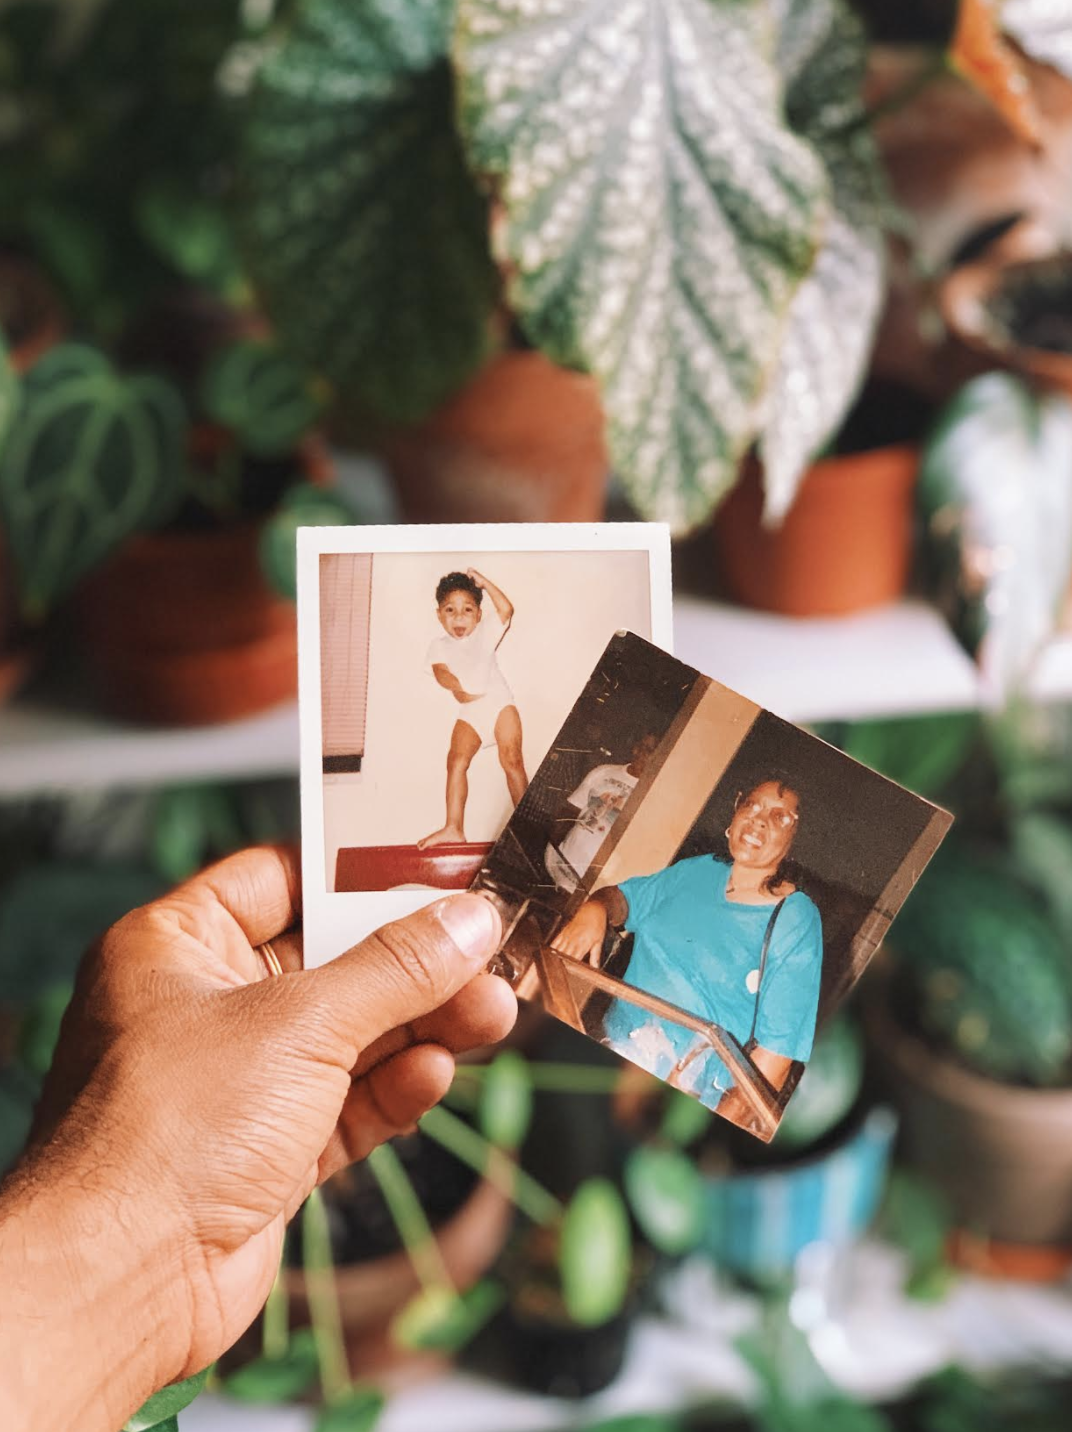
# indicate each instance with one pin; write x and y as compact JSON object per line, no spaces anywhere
{"x":436,"y":665}
{"x":748,"y":876}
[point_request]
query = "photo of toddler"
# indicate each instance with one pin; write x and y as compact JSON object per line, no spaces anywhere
{"x":464,"y":664}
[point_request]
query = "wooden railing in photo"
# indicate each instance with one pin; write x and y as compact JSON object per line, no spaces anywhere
{"x":559,"y":975}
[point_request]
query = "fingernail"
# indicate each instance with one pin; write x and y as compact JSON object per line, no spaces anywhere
{"x":472,"y":923}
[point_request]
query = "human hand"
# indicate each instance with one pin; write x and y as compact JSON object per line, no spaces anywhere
{"x":475,"y":576}
{"x":582,"y":937}
{"x":465,"y":696}
{"x":203,"y":1100}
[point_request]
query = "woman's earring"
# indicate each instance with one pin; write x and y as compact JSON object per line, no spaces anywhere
{"x":727,"y":832}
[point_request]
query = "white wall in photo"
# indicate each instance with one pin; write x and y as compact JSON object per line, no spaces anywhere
{"x":567,"y":605}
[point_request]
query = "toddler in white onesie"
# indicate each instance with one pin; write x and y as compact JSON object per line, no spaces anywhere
{"x":464,"y":663}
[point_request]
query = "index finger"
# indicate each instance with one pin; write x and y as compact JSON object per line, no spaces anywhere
{"x":259,"y":888}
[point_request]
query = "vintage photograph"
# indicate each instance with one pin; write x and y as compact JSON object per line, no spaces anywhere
{"x":438,"y":664}
{"x":696,"y":883}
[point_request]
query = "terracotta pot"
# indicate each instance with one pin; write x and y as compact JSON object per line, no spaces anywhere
{"x":523,"y":442}
{"x":371,"y":1294}
{"x":32,"y":317}
{"x":846,"y":543}
{"x":968,"y":293}
{"x":183,"y":628}
{"x":956,"y":170}
{"x":1001,"y":1154}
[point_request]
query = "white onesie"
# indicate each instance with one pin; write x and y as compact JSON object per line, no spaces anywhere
{"x":473,"y":661}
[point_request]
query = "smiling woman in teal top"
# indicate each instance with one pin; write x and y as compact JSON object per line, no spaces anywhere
{"x":698,"y":929}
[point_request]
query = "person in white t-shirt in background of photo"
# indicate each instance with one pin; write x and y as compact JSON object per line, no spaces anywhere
{"x":465,"y":665}
{"x":591,"y":811}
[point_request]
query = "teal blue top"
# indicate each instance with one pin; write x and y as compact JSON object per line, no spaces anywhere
{"x":701,"y":951}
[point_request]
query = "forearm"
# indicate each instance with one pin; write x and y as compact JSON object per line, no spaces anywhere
{"x":614,"y":903}
{"x":91,"y":1301}
{"x":504,"y":607}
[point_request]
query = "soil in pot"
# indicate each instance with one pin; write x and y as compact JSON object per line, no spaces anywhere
{"x":532,"y":1343}
{"x":523,"y":442}
{"x":846,"y":543}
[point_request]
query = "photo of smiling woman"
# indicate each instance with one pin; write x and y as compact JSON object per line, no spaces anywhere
{"x":734,"y":941}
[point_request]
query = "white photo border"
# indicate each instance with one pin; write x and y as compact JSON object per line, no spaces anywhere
{"x":334,"y":921}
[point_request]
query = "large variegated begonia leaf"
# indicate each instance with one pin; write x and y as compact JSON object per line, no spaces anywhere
{"x":1043,"y":29}
{"x":364,"y":229}
{"x":827,"y":342}
{"x":659,"y":215}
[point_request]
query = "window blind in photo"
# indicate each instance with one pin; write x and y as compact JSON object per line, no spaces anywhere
{"x":345,"y":602}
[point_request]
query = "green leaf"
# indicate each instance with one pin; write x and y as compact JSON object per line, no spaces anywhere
{"x":994,"y":493}
{"x":50,"y":914}
{"x":1043,"y":28}
{"x":505,"y":1108}
{"x":666,"y":1193}
{"x":684,"y":1119}
{"x":278,"y":1379}
{"x":259,"y":392}
{"x":40,"y":1028}
{"x":642,"y":1422}
{"x":90,"y":457}
{"x":190,"y":233}
{"x":358,"y":1411}
{"x":920,"y":752}
{"x":595,"y":1253}
{"x":439,"y":1319}
{"x":192,"y":825}
{"x":302,"y":506}
{"x":9,"y":393}
{"x":821,"y":53}
{"x":17,"y":1095}
{"x":828,"y":1087}
{"x":1041,"y":849}
{"x":167,"y":1403}
{"x":659,"y":216}
{"x":916,"y":1218}
{"x":365,"y":233}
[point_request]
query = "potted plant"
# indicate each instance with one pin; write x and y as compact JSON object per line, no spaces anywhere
{"x":411,"y":173}
{"x":103,"y":473}
{"x":971,"y":1015}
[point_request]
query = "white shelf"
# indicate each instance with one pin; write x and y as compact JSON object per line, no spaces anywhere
{"x":47,"y":748}
{"x":895,"y":660}
{"x":891,"y":661}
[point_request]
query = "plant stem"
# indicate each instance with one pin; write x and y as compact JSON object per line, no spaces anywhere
{"x":409,"y":1218}
{"x":324,"y":1300}
{"x":473,"y":1149}
{"x":275,"y":1320}
{"x":898,"y":98}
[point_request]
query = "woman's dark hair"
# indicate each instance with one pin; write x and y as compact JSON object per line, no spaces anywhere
{"x":787,"y":869}
{"x":457,"y":582}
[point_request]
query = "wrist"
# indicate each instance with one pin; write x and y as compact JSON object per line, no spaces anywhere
{"x":93,"y":1296}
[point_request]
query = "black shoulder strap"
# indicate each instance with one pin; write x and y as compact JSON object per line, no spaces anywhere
{"x":763,"y":965}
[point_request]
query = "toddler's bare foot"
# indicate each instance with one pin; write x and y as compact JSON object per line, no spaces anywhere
{"x":447,"y":835}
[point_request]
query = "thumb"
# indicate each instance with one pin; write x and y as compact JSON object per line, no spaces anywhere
{"x":407,"y":968}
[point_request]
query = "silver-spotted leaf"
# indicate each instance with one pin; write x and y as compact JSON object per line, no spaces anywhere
{"x":364,"y":230}
{"x":821,"y":54}
{"x":997,"y":502}
{"x":91,"y":456}
{"x":659,"y":215}
{"x":1042,"y":28}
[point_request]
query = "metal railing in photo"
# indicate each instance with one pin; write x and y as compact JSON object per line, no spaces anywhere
{"x":558,"y":972}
